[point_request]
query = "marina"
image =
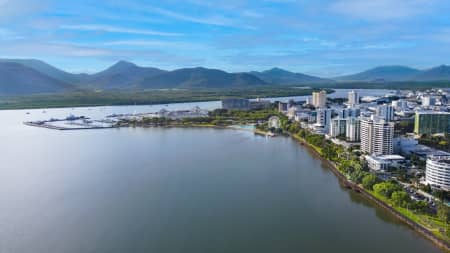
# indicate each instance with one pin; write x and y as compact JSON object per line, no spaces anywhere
{"x":73,"y":123}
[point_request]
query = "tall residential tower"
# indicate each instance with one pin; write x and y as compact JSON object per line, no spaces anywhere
{"x":353,"y":98}
{"x":319,"y":99}
{"x":377,"y":136}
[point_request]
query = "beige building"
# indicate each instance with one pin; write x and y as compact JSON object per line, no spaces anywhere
{"x":353,"y":98}
{"x":319,"y":99}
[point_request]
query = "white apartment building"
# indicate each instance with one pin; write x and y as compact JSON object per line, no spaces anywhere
{"x":437,"y":172}
{"x":323,"y":118}
{"x":353,"y":129}
{"x":338,"y":127}
{"x":385,"y":112}
{"x":319,"y":99}
{"x":377,"y":136}
{"x":428,"y":101}
{"x":353,"y":98}
{"x":400,"y":105}
{"x":347,"y":112}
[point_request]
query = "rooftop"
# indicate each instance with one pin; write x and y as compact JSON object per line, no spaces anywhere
{"x":386,"y":157}
{"x":432,"y":112}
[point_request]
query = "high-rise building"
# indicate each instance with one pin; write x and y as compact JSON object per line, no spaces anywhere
{"x":353,"y":129}
{"x":377,"y":136}
{"x":353,"y":98}
{"x":319,"y":99}
{"x":437,"y":172}
{"x":385,"y":112}
{"x":428,"y":101}
{"x":338,"y":127}
{"x":348,"y":112}
{"x":431,"y":122}
{"x":323,"y":117}
{"x":400,"y":104}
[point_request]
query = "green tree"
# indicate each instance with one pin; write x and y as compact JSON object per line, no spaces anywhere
{"x":427,"y":188}
{"x":369,"y":181}
{"x":386,"y":188}
{"x":400,"y":198}
{"x":420,"y":206}
{"x":443,"y":213}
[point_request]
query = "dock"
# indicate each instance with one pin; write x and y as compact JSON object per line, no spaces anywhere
{"x":48,"y":126}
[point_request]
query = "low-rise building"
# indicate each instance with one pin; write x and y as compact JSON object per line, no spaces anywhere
{"x":260,"y":104}
{"x":282,"y":107}
{"x":236,"y":104}
{"x":274,"y":122}
{"x":404,"y":145}
{"x":383,"y":162}
{"x":423,"y":152}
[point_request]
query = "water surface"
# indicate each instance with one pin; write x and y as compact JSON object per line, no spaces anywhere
{"x":178,"y":190}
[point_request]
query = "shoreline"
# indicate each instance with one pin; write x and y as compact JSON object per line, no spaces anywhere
{"x":343,"y":179}
{"x":192,"y":99}
{"x":423,"y":231}
{"x":418,"y":228}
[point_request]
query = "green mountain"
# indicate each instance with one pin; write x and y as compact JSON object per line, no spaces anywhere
{"x":122,"y":75}
{"x":201,"y":78}
{"x":382,"y":73}
{"x":440,"y":73}
{"x":17,"y":79}
{"x":281,"y":76}
{"x":29,"y":76}
{"x":49,"y":70}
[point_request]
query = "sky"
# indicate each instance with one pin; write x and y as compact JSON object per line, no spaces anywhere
{"x":324,"y":38}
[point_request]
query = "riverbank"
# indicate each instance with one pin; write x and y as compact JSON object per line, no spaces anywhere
{"x":328,"y":152}
{"x":145,"y":97}
{"x":319,"y":152}
{"x":376,"y":200}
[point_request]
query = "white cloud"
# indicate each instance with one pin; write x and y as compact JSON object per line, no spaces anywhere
{"x":211,"y":20}
{"x":158,"y":44}
{"x":383,"y":9}
{"x":115,"y":29}
{"x":43,"y":49}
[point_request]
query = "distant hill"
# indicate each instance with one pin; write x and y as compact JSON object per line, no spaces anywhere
{"x":49,"y":70}
{"x":17,"y":79}
{"x":122,"y":75}
{"x":382,"y":73}
{"x":201,"y":78}
{"x":440,"y":73}
{"x":30,"y":76}
{"x":281,"y":76}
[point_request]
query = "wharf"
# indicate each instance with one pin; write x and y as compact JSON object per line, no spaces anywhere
{"x":54,"y":127}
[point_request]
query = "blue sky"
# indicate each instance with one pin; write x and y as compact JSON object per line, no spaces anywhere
{"x":325,"y":38}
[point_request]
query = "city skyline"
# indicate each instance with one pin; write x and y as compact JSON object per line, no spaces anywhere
{"x":325,"y":38}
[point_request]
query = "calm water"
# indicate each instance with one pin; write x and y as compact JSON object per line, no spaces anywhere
{"x":177,"y":190}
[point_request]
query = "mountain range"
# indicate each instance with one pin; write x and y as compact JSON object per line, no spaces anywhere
{"x":30,"y":76}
